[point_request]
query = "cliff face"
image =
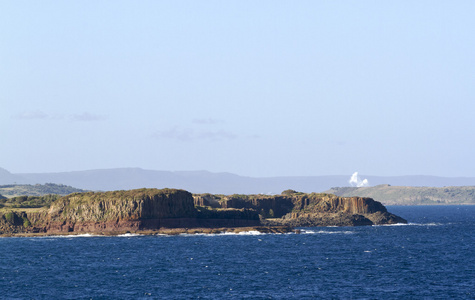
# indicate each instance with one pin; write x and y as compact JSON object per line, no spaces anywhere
{"x":123,"y":205}
{"x":118,"y":211}
{"x":207,"y":200}
{"x":328,"y":210}
{"x":271,"y":206}
{"x":331,"y":203}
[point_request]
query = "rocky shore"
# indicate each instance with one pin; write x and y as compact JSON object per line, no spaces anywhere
{"x":171,"y":211}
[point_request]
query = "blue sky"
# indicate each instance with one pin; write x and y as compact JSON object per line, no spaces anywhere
{"x":256,"y":88}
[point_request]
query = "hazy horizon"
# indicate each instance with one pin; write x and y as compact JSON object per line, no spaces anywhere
{"x":355,"y":179}
{"x":259,"y":89}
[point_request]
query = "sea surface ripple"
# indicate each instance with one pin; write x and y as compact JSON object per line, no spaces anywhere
{"x":432,"y":257}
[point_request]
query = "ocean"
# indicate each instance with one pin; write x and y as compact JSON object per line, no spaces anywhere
{"x":433,"y":257}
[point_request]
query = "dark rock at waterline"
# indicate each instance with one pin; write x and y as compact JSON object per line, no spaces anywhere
{"x":318,"y":220}
{"x":385,"y":218}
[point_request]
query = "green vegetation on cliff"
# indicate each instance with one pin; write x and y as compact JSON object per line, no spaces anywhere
{"x":28,"y":201}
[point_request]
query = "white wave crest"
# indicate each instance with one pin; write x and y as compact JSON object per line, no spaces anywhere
{"x":306,"y":231}
{"x":69,"y":236}
{"x":129,"y":235}
{"x":412,"y":224}
{"x":426,"y":224}
{"x":251,"y":232}
{"x":224,"y":233}
{"x":85,"y":235}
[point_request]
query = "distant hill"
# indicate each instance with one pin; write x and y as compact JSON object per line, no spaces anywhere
{"x":407,"y":195}
{"x":8,"y":178}
{"x":193,"y":181}
{"x":14,"y":190}
{"x":215,"y":183}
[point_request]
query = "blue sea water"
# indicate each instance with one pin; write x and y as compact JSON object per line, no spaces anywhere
{"x":431,"y":258}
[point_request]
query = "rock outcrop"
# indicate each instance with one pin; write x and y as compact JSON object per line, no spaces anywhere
{"x":301,"y":209}
{"x":153,"y":209}
{"x":13,"y":222}
{"x":311,"y":209}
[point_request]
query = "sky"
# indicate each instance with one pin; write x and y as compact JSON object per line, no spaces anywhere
{"x":255,"y":88}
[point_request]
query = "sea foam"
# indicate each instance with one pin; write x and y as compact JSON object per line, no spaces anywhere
{"x":309,"y":231}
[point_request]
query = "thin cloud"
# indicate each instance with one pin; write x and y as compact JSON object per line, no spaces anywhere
{"x":175,"y":134}
{"x":340,"y":143}
{"x":189,"y":135}
{"x":41,"y":115}
{"x":254,"y":136}
{"x":217,"y":135}
{"x":208,"y":121}
{"x":32,"y":115}
{"x":87,"y":117}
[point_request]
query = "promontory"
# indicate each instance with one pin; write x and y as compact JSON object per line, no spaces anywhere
{"x":170,"y":211}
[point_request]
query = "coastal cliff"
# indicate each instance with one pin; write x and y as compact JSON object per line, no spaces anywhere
{"x":301,"y":209}
{"x":330,"y":210}
{"x":153,"y":209}
{"x":123,"y":211}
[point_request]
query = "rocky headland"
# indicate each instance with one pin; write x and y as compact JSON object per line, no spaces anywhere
{"x":296,"y":209}
{"x":171,"y":211}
